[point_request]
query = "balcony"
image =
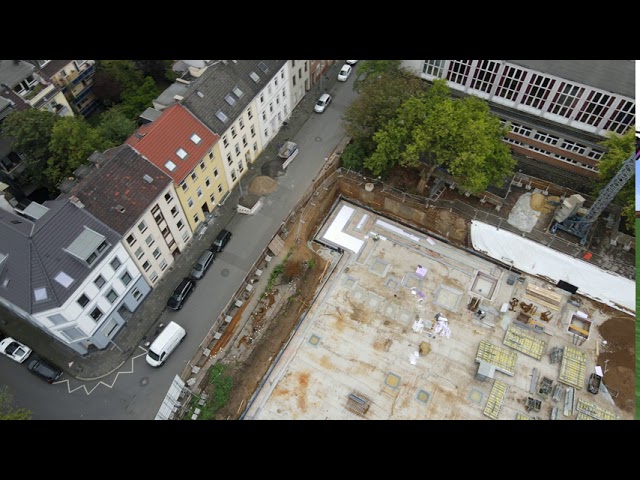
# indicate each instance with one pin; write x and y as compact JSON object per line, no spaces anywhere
{"x":75,"y":78}
{"x":42,"y":95}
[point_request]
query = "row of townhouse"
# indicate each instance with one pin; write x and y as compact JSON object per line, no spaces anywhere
{"x":62,"y":87}
{"x":558,"y":110}
{"x":137,"y":206}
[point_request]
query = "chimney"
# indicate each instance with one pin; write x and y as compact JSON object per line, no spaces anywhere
{"x":76,"y":201}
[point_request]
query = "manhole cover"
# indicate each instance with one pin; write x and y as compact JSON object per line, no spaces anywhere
{"x":225,"y":272}
{"x":144,"y":382}
{"x":318,"y":139}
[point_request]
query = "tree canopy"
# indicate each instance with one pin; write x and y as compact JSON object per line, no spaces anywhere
{"x":619,"y":148}
{"x":459,"y":134}
{"x":8,"y":410}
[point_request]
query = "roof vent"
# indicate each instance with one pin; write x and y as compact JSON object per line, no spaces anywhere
{"x":120,"y":208}
{"x":76,"y":201}
{"x":199,"y":93}
{"x":147,"y":178}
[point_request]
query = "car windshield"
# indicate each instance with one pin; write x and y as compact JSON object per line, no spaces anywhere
{"x":153,"y":355}
{"x":46,"y":370}
{"x":197,"y":267}
{"x":320,"y":103}
{"x":175,"y":297}
{"x":12,"y":348}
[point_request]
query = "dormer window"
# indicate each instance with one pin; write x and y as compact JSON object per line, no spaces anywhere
{"x":88,"y":247}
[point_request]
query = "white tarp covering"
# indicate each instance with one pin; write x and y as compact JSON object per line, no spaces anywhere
{"x":398,"y":230}
{"x":335,"y":234}
{"x":536,"y":259}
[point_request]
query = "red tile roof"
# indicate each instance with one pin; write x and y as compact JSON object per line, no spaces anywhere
{"x":159,"y":141}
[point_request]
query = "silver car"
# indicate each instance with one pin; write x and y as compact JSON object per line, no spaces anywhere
{"x":322,"y":103}
{"x":203,"y":263}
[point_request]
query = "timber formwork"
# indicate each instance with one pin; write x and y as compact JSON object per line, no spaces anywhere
{"x":573,"y":367}
{"x":517,"y":339}
{"x":504,"y":360}
{"x":496,"y":398}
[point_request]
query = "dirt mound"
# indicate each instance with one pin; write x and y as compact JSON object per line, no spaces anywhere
{"x":263,"y":185}
{"x":540,"y":203}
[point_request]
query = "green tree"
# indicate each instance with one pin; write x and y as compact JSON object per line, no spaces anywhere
{"x":353,"y":156}
{"x":619,"y":148}
{"x":30,"y":134}
{"x":458,"y":134}
{"x":115,"y":126}
{"x":378,"y":102}
{"x":156,"y":69}
{"x":73,"y":140}
{"x":114,"y":78}
{"x":371,"y":70}
{"x":8,"y":410}
{"x":136,"y":100}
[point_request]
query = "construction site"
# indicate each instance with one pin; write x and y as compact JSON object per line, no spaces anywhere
{"x":412,"y":327}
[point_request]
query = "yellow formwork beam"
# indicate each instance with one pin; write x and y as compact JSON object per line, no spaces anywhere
{"x":573,"y":367}
{"x":496,"y":397}
{"x":522,"y":416}
{"x":504,"y":360}
{"x":517,"y":339}
{"x":594,"y":411}
{"x":584,"y":416}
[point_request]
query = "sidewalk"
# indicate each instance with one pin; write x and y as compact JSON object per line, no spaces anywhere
{"x":142,"y":324}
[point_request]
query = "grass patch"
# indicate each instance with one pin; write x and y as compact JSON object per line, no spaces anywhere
{"x":221,"y":385}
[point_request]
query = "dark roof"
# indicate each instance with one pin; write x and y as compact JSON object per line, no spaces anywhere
{"x":206,"y":95}
{"x":18,"y":102}
{"x":35,"y":253}
{"x":119,"y":181}
{"x":13,"y":72}
{"x":616,"y":76}
{"x":53,"y":67}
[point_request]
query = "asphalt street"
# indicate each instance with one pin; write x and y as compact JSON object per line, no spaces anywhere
{"x":136,"y":390}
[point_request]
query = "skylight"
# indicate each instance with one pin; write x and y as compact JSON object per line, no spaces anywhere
{"x":40,"y":294}
{"x":230,"y":100}
{"x":254,"y":76}
{"x":199,"y":93}
{"x":63,"y":279}
{"x":147,"y":178}
{"x":181,"y":153}
{"x":195,"y":139}
{"x":238,"y":92}
{"x":221,"y":116}
{"x":263,"y":67}
{"x":170,"y":166}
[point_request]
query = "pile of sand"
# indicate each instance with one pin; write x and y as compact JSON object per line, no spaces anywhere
{"x":540,"y":203}
{"x":263,"y":185}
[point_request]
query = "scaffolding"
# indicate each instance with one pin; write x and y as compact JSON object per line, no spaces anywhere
{"x":517,"y":339}
{"x":573,"y":368}
{"x":496,"y":398}
{"x":504,"y":360}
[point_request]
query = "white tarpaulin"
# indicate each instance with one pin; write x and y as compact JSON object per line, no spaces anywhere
{"x":536,"y":259}
{"x":335,"y":234}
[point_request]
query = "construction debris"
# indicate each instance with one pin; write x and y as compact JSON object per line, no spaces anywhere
{"x":425,"y":348}
{"x":545,"y":387}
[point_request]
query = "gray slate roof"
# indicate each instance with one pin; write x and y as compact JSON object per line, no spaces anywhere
{"x":166,"y":98}
{"x":616,"y":76}
{"x":218,"y":81}
{"x":36,"y":256}
{"x":119,"y":181}
{"x":12,"y":73}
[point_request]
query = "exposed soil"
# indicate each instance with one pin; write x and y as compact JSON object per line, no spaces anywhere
{"x":263,"y":185}
{"x":619,"y":332}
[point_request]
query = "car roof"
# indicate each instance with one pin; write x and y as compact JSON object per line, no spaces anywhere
{"x":346,"y":67}
{"x":324,"y":96}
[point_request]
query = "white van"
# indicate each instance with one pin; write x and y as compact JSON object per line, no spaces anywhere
{"x":167,"y":341}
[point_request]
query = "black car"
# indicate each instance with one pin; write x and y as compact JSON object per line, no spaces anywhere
{"x":44,"y":370}
{"x":221,"y":240}
{"x":181,"y":293}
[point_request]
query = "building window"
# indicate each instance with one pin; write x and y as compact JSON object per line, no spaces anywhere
{"x":174,"y":211}
{"x":266,"y":133}
{"x":244,"y":141}
{"x":185,"y":236}
{"x":233,"y":175}
{"x":96,"y":314}
{"x":253,"y":132}
{"x":249,"y":113}
{"x":293,"y":79}
{"x":125,"y":278}
{"x":240,"y":167}
{"x":63,"y":279}
{"x":264,"y":116}
{"x":225,"y":141}
{"x":72,"y":333}
{"x":220,"y":188}
{"x":622,"y":117}
{"x":233,"y":132}
{"x":275,"y":81}
{"x":163,"y":265}
{"x":199,"y":192}
{"x":241,"y":123}
{"x":211,"y":155}
{"x":115,"y":263}
{"x":237,"y":149}
{"x":196,"y":218}
{"x":153,"y":277}
{"x":99,"y":281}
{"x":546,"y":138}
{"x":459,"y":71}
{"x":83,"y":300}
{"x":146,"y":266}
{"x":282,"y":74}
{"x":520,"y":129}
{"x":180,"y":225}
{"x":485,"y":75}
{"x":537,"y":91}
{"x":255,"y":146}
{"x":595,"y":154}
{"x":212,"y":198}
{"x":139,"y":253}
{"x":57,"y":319}
{"x":150,"y":240}
{"x":202,"y":166}
{"x":305,"y":66}
{"x":229,"y":161}
{"x":194,"y":176}
{"x":156,"y":253}
{"x":207,"y":182}
{"x":184,"y":186}
{"x":142,"y":227}
{"x":271,"y":107}
{"x":168,"y":198}
{"x":595,"y":108}
{"x":215,"y":172}
{"x":136,"y":294}
{"x":190,"y":202}
{"x":566,"y":99}
{"x":131,"y":240}
{"x":112,"y":296}
{"x":573,"y":147}
{"x":195,"y":139}
{"x":433,"y":67}
{"x":262,"y":98}
{"x":284,"y":92}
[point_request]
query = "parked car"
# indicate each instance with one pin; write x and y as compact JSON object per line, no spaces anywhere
{"x":203,"y":264}
{"x":181,"y":293}
{"x":14,"y":349}
{"x":322,"y":103}
{"x":44,"y":370}
{"x":594,"y":383}
{"x":345,"y":71}
{"x":221,"y":240}
{"x":352,"y":62}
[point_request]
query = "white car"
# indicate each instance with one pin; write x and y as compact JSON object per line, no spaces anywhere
{"x":14,"y":349}
{"x":352,"y":62}
{"x":345,"y":71}
{"x":322,"y":103}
